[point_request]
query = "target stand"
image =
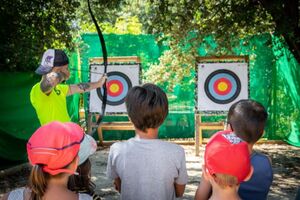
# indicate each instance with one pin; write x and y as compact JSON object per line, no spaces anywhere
{"x":123,"y":73}
{"x":221,"y":81}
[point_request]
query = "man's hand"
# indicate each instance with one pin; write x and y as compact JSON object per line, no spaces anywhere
{"x":56,"y":77}
{"x":102,"y":80}
{"x":50,"y":80}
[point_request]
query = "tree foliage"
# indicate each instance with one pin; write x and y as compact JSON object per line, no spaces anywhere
{"x":185,"y":24}
{"x":29,"y":27}
{"x":190,"y":23}
{"x":113,"y":17}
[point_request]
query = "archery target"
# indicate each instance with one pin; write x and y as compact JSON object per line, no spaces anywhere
{"x":121,"y":77}
{"x":222,"y":86}
{"x":118,"y":85}
{"x":219,"y":85}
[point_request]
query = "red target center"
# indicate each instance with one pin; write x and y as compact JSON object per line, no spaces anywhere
{"x":114,"y":88}
{"x":222,"y":86}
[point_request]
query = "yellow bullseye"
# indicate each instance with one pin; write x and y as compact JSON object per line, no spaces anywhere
{"x":222,"y":86}
{"x":114,"y":88}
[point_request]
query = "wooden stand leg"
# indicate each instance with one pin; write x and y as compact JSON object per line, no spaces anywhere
{"x":197,"y":135}
{"x":200,"y":135}
{"x":89,"y":123}
{"x":100,"y":136}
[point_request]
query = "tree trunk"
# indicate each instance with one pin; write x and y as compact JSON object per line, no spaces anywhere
{"x":286,"y":18}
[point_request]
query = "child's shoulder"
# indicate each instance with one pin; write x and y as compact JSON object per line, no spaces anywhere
{"x":117,"y":145}
{"x":171,"y":146}
{"x":260,"y":158}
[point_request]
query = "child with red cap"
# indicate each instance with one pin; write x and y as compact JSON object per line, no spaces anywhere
{"x":227,"y":164}
{"x":53,"y":152}
{"x":246,"y":119}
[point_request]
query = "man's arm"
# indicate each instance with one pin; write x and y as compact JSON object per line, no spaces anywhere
{"x":182,"y":179}
{"x":86,"y":87}
{"x":179,"y":190}
{"x":50,"y":80}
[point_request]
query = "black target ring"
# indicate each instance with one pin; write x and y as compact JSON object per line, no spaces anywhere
{"x":125,"y":85}
{"x":231,"y":95}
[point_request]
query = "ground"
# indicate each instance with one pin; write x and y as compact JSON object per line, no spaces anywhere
{"x":285,"y":162}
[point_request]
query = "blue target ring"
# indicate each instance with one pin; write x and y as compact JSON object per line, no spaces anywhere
{"x":123,"y":83}
{"x":218,"y":97}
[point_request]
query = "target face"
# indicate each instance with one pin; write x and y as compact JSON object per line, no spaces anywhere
{"x":118,"y":85}
{"x":219,"y":85}
{"x":222,"y":86}
{"x":120,"y":78}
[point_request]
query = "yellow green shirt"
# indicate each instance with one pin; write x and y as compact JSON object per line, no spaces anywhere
{"x":52,"y":107}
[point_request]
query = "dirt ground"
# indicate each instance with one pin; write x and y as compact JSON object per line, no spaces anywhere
{"x":285,"y":161}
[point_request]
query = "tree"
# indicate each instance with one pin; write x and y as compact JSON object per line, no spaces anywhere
{"x":29,"y":27}
{"x":285,"y":15}
{"x":185,"y":24}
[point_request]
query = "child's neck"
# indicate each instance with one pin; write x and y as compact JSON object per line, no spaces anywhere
{"x":219,"y":193}
{"x":250,"y":147}
{"x":150,"y":133}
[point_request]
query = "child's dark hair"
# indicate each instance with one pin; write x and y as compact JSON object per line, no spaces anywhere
{"x":147,"y":106}
{"x":247,"y":119}
{"x":82,"y":182}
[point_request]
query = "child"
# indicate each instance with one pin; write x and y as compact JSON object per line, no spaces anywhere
{"x":53,"y":152}
{"x":82,"y":182}
{"x":145,"y":167}
{"x":227,"y":164}
{"x":247,"y":118}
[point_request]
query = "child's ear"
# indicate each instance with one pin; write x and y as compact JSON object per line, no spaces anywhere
{"x":228,"y":127}
{"x":206,"y":174}
{"x":250,"y":174}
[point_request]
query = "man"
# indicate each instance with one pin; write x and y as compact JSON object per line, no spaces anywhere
{"x":48,"y":97}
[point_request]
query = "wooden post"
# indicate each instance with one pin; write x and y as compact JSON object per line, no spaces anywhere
{"x":197,"y":121}
{"x":100,"y":135}
{"x":200,"y":126}
{"x":89,"y":123}
{"x":113,"y":126}
{"x":200,"y":131}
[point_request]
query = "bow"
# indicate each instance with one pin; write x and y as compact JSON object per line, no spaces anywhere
{"x":104,"y":53}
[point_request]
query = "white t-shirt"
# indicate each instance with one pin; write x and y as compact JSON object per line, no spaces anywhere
{"x":148,"y":168}
{"x":18,"y":194}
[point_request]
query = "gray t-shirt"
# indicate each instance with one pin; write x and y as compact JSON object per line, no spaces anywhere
{"x":148,"y":168}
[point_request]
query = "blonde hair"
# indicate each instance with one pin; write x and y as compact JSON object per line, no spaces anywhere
{"x":38,"y":181}
{"x":225,"y":180}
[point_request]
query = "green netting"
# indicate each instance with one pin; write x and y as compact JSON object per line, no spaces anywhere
{"x":274,"y":81}
{"x":286,"y":94}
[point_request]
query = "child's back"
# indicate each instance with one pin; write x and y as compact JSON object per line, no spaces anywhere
{"x":259,"y":184}
{"x":145,"y":167}
{"x":148,"y":168}
{"x":247,"y":118}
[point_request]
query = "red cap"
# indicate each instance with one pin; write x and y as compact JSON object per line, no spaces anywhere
{"x":55,"y":145}
{"x":226,"y":153}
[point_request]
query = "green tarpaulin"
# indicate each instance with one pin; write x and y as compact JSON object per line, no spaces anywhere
{"x":274,"y":81}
